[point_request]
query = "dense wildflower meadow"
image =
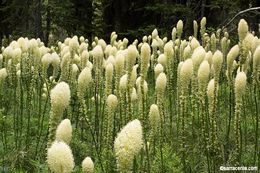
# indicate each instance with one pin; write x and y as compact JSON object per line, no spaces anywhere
{"x":152,"y":105}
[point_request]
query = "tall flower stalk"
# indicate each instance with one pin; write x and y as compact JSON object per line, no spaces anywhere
{"x":185,"y":77}
{"x":60,"y":98}
{"x":240,"y":88}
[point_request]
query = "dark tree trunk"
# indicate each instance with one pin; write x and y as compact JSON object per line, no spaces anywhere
{"x":38,"y":20}
{"x":203,"y":4}
{"x":121,"y":8}
{"x":48,"y":26}
{"x":27,"y":15}
{"x":117,"y":16}
{"x":1,"y":38}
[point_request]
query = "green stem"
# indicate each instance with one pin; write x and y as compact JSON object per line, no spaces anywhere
{"x":256,"y":153}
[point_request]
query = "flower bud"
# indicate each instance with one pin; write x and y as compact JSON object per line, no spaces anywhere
{"x":217,"y":62}
{"x":203,"y":74}
{"x":186,"y":52}
{"x":154,"y":116}
{"x":131,"y":56}
{"x":158,"y":69}
{"x":87,"y":165}
{"x":64,"y":131}
{"x":161,"y":83}
{"x":84,"y":80}
{"x":194,"y":43}
{"x":74,"y":43}
{"x":123,"y":83}
{"x":3,"y":74}
{"x":256,"y":59}
{"x":154,"y":33}
{"x":210,"y":90}
{"x":162,"y":60}
{"x":240,"y":84}
{"x":60,"y":97}
{"x":55,"y":59}
{"x":242,"y":29}
{"x":231,"y":56}
{"x":134,"y":96}
{"x":112,"y":101}
{"x":186,"y":73}
{"x":46,"y":60}
{"x":179,"y":28}
{"x":198,"y":56}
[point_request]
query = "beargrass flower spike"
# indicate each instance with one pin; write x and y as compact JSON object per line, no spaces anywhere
{"x":128,"y":144}
{"x":60,"y":158}
{"x":87,"y":165}
{"x":60,"y":99}
{"x":64,"y":131}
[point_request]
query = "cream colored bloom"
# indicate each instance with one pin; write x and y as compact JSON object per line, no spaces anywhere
{"x":194,"y":43}
{"x":186,"y":72}
{"x":203,"y":22}
{"x":217,"y":62}
{"x":168,"y":50}
{"x":138,"y":84}
{"x":127,"y":145}
{"x":109,"y":72}
{"x":161,"y":81}
{"x":203,"y":73}
{"x":154,"y":116}
{"x":158,"y":69}
{"x":248,"y":42}
{"x":81,"y":39}
{"x":123,"y":83}
{"x":145,"y":57}
{"x":231,"y":56}
{"x":24,"y":44}
{"x":32,"y":44}
{"x":74,"y":70}
{"x":208,"y":57}
{"x":55,"y":59}
{"x":154,"y":33}
{"x":98,"y":54}
{"x":64,"y":131}
{"x":186,"y":52}
{"x":179,"y":27}
{"x":8,"y":52}
{"x":84,"y":58}
{"x":74,"y":43}
{"x":102,"y":43}
{"x":198,"y":56}
{"x":240,"y":84}
{"x":119,"y":63}
{"x":87,"y":165}
{"x":46,"y":60}
{"x":162,"y":60}
{"x":60,"y":158}
{"x":60,"y":97}
{"x":210,"y":90}
{"x":134,"y":96}
{"x":112,"y":101}
{"x":84,"y":80}
{"x":3,"y":74}
{"x":174,"y":33}
{"x":256,"y":58}
{"x":131,"y":56}
{"x":242,"y":29}
{"x":17,"y":54}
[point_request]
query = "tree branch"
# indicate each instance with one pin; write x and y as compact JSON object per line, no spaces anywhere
{"x":241,"y":12}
